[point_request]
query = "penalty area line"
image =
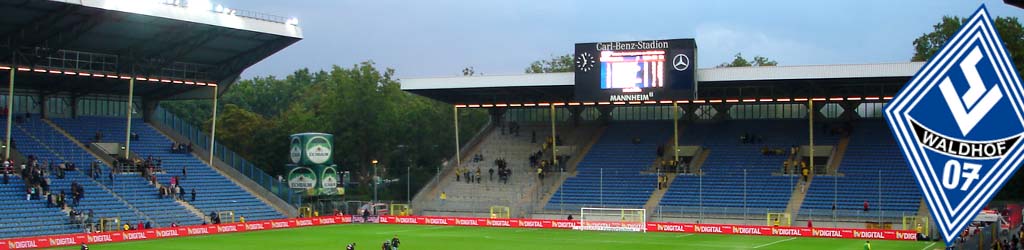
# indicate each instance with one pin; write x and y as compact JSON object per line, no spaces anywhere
{"x":774,"y":242}
{"x":929,"y":245}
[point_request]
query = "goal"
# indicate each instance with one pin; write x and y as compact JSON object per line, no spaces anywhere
{"x":779,"y":219}
{"x":500,"y":212}
{"x":613,"y":219}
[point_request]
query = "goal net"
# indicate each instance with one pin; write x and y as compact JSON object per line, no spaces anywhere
{"x":779,"y":219}
{"x":613,"y":219}
{"x":500,"y":212}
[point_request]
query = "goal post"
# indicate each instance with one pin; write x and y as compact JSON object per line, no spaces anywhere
{"x":500,"y":212}
{"x":110,"y":224}
{"x":613,"y":219}
{"x":400,"y":210}
{"x":226,"y":217}
{"x":919,"y":224}
{"x":779,"y":219}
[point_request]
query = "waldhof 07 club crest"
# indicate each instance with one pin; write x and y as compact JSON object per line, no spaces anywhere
{"x":959,"y":123}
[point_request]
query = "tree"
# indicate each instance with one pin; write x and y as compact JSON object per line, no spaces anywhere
{"x":1009,"y":28}
{"x":364,"y":107}
{"x":563,"y":63}
{"x":739,"y":61}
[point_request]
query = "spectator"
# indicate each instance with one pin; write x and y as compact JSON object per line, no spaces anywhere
{"x":140,"y":225}
{"x":60,"y":200}
{"x":193,"y":194}
{"x":865,"y":205}
{"x":444,"y":197}
{"x":489,"y":171}
{"x":810,"y":224}
{"x":127,"y":227}
{"x":570,"y":217}
{"x":478,"y":175}
{"x":181,"y":193}
{"x":184,"y":173}
{"x":148,"y":226}
{"x":805,"y":172}
{"x":99,"y":136}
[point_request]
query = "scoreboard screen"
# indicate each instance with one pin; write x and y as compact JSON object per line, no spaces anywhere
{"x":635,"y":71}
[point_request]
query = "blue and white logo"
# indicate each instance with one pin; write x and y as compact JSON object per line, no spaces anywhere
{"x":959,"y":123}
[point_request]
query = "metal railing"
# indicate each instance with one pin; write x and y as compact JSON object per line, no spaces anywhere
{"x":202,"y":140}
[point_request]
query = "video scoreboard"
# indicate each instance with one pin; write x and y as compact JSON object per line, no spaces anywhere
{"x":636,"y":70}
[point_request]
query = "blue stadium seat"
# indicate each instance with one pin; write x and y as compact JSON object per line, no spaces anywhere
{"x":610,"y":174}
{"x":873,"y":170}
{"x":215,"y":191}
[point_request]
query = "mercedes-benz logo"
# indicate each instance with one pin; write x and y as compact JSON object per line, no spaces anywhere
{"x":681,"y":62}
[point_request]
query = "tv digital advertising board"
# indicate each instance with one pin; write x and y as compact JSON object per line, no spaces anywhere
{"x":648,"y":70}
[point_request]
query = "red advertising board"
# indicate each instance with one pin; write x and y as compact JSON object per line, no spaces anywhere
{"x":159,"y":233}
{"x":843,"y":233}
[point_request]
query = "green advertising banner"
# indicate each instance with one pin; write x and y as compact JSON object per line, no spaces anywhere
{"x":328,"y":182}
{"x":311,"y":149}
{"x":302,"y":178}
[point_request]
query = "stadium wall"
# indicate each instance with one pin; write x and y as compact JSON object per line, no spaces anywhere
{"x":840,"y":233}
{"x":167,"y":232}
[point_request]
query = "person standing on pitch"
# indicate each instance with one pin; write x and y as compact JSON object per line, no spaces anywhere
{"x":867,"y":245}
{"x":395,"y":242}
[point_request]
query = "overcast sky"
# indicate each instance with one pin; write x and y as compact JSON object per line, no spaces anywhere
{"x":440,"y":37}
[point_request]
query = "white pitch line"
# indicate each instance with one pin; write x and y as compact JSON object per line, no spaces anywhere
{"x":412,"y":230}
{"x":774,"y":242}
{"x":684,"y":235}
{"x":930,"y":245}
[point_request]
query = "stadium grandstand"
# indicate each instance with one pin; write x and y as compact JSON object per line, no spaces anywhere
{"x":90,"y":149}
{"x":82,"y":119}
{"x":740,"y":146}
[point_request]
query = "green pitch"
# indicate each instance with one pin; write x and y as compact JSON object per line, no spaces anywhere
{"x":370,"y":237}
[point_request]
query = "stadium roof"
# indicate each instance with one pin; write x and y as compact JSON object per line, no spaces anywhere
{"x":73,"y":47}
{"x":738,"y":84}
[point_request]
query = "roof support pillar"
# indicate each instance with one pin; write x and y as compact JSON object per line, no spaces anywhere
{"x":675,"y":131}
{"x":554,"y":141}
{"x":128,"y":130}
{"x":458,"y":156}
{"x":10,"y":105}
{"x":213,"y":125}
